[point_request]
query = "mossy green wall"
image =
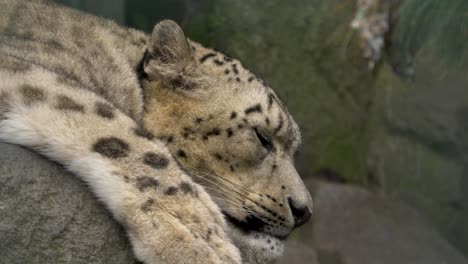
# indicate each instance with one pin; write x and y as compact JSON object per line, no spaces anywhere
{"x":301,"y":50}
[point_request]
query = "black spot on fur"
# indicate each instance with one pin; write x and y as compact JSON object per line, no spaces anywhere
{"x":186,"y":187}
{"x":170,"y":139}
{"x":156,"y":161}
{"x":218,"y":62}
{"x":142,"y":132}
{"x":231,"y":167}
{"x":240,"y":126}
{"x":213,"y":132}
{"x":104,"y":110}
{"x":207,"y":56}
{"x":32,"y":94}
{"x":111,"y":147}
{"x":218,"y":156}
{"x":233,"y":115}
{"x":146,"y":182}
{"x":181,"y":154}
{"x":171,"y":191}
{"x":234,"y":68}
{"x":282,"y":187}
{"x":229,"y":132}
{"x":251,"y":78}
{"x":199,"y":120}
{"x":253,"y":109}
{"x":267,"y":121}
{"x":146,"y":206}
{"x":226,"y":71}
{"x":208,"y":234}
{"x":238,"y":79}
{"x":227,"y":59}
{"x":66,"y":103}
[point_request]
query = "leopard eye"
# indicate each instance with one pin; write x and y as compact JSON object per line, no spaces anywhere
{"x":264,"y":139}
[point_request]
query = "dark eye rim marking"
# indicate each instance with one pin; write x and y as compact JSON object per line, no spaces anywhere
{"x":264,"y":139}
{"x":253,"y":109}
{"x":207,"y":56}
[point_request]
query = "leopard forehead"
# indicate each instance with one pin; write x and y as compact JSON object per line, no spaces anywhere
{"x":244,"y":96}
{"x":228,"y":69}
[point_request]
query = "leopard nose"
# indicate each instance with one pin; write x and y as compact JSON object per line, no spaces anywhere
{"x":301,"y":214}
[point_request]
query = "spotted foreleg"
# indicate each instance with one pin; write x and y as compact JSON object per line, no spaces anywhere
{"x":168,"y":217}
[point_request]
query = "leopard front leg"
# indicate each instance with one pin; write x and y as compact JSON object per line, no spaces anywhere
{"x":169,"y":218}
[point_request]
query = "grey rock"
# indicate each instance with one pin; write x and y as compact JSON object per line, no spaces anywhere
{"x":354,"y":226}
{"x":299,"y":252}
{"x":47,"y":215}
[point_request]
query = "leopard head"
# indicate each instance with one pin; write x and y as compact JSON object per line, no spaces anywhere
{"x":232,"y":134}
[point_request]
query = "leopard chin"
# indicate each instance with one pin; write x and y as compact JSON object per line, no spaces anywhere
{"x":255,"y":244}
{"x":256,"y":247}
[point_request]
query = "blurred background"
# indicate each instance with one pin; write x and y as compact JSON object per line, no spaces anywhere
{"x":380,"y":91}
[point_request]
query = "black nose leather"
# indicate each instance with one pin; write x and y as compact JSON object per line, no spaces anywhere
{"x":301,"y":213}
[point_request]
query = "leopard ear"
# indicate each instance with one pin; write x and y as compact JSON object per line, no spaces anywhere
{"x":170,"y":57}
